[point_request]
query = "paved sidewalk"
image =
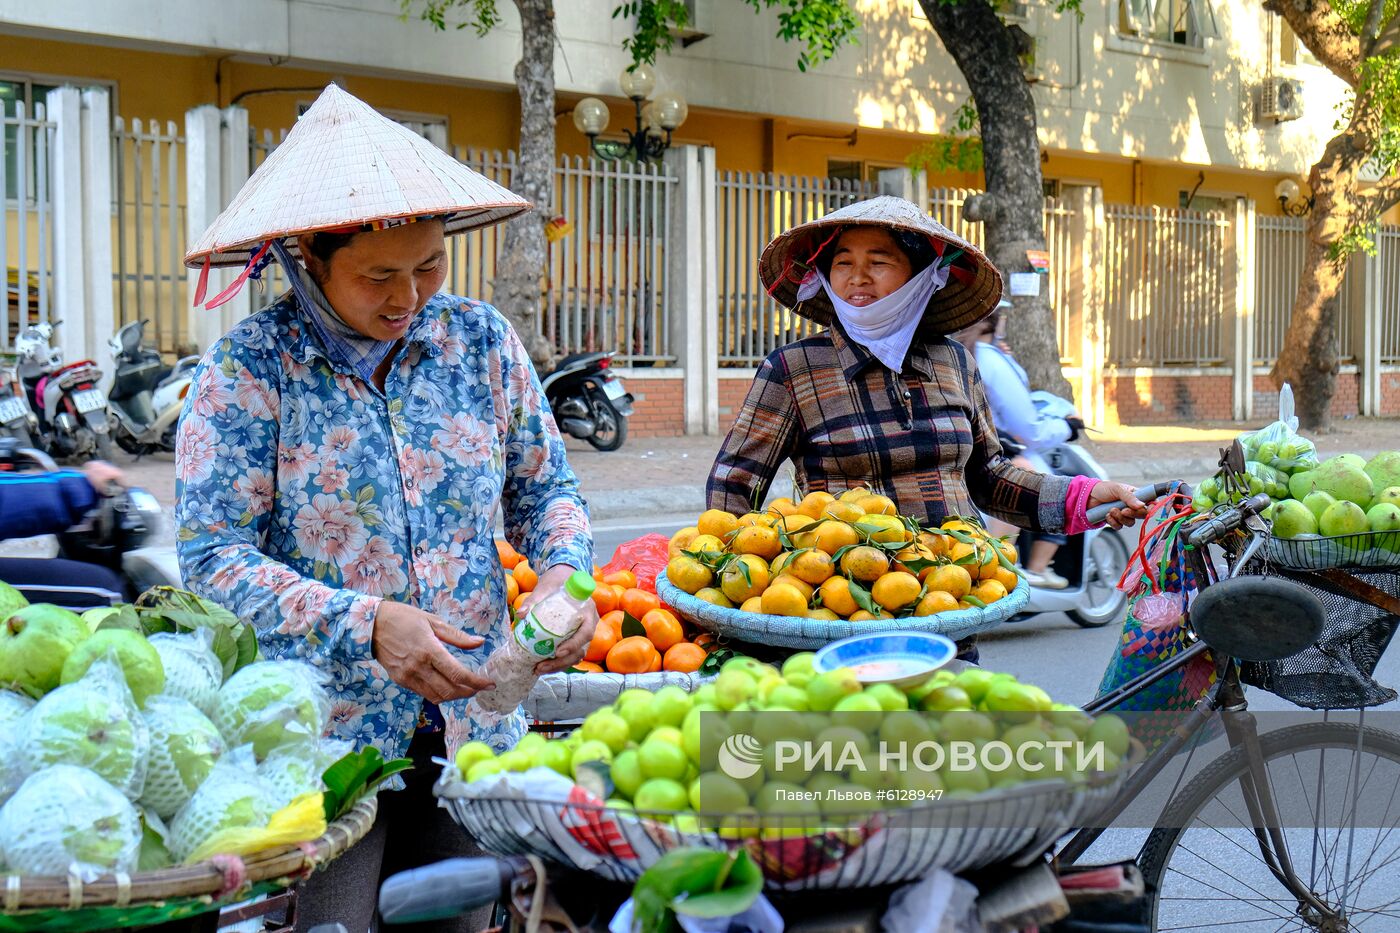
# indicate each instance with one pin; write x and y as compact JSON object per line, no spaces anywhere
{"x":651,"y":478}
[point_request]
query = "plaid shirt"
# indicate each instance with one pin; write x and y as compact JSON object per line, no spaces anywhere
{"x":923,"y":437}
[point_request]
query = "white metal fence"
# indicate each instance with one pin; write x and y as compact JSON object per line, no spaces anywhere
{"x":606,"y":283}
{"x":148,"y":195}
{"x":27,"y":230}
{"x":1165,"y":286}
{"x":1279,"y":249}
{"x":1387,"y":292}
{"x":751,"y":208}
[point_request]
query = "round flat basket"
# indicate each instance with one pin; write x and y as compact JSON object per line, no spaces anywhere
{"x":557,"y":697}
{"x":69,"y":905}
{"x":1369,"y":550}
{"x":810,"y":634}
{"x":858,"y":850}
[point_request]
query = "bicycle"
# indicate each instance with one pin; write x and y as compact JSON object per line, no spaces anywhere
{"x":1254,"y":624}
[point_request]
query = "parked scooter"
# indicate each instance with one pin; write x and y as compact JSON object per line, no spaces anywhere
{"x":588,"y":400}
{"x":114,"y":533}
{"x":70,"y":407}
{"x":16,"y":418}
{"x":1092,"y":562}
{"x":146,"y":395}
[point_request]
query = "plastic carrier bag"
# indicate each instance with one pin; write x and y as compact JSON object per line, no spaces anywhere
{"x":645,"y":556}
{"x":1279,"y":445}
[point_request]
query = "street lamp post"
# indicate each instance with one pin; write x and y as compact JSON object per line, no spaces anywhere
{"x":1289,"y":199}
{"x":654,"y":121}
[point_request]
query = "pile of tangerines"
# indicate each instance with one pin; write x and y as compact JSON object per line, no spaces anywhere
{"x":636,"y":634}
{"x":840,"y":557}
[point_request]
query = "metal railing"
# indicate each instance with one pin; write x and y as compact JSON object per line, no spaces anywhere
{"x":27,"y":229}
{"x":606,"y":284}
{"x":1280,"y":245}
{"x":752,"y":208}
{"x":1165,"y":286}
{"x":148,"y":195}
{"x":1387,"y":292}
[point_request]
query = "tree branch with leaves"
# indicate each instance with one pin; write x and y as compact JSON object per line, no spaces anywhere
{"x":1359,"y":42}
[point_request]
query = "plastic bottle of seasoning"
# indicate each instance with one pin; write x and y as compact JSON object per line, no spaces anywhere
{"x":535,"y":638}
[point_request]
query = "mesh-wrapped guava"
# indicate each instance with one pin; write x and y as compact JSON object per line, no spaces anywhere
{"x":192,"y":670}
{"x":13,"y":708}
{"x":65,"y":818}
{"x":184,"y":747}
{"x":233,"y":796}
{"x":294,"y":770}
{"x":271,"y":704}
{"x":92,"y":723}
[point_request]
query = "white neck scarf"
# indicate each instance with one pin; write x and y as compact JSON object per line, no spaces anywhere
{"x":885,"y":327}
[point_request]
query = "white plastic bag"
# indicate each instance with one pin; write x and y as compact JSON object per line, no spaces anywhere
{"x":65,"y":818}
{"x":939,"y":903}
{"x":271,"y":704}
{"x":92,"y":723}
{"x":293,"y":770}
{"x":184,"y":748}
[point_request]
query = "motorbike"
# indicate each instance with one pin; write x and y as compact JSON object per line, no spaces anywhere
{"x":67,"y":402}
{"x":146,"y":396}
{"x":113,"y":533}
{"x":589,"y":401}
{"x":16,"y":418}
{"x":1092,"y":562}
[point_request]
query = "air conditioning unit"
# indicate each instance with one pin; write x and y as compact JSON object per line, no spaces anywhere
{"x":1280,"y":99}
{"x":699,"y":22}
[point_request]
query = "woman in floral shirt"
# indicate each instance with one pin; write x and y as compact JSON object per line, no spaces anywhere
{"x":340,"y":464}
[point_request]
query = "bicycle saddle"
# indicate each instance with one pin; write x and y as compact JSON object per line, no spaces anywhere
{"x":1258,"y":618}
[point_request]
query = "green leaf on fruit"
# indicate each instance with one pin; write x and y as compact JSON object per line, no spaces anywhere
{"x":863,"y":599}
{"x":715,"y":660}
{"x":974,"y":601}
{"x":356,"y":776}
{"x":697,"y":882}
{"x":632,"y":626}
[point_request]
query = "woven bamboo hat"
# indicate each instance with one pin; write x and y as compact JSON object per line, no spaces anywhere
{"x":346,"y":166}
{"x":974,"y":284}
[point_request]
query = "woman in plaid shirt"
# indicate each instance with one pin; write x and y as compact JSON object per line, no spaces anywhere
{"x":883,"y":396}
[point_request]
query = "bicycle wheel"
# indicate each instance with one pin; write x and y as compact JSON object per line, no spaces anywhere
{"x":1204,"y":864}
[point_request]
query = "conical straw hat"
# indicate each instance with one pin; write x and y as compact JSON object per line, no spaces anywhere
{"x":345,"y":165}
{"x":974,"y":285}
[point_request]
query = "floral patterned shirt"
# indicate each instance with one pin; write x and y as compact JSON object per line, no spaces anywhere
{"x":306,"y":496}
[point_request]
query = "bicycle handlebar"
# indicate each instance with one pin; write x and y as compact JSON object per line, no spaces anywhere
{"x":1226,"y":522}
{"x":448,"y":889}
{"x":1147,"y":494}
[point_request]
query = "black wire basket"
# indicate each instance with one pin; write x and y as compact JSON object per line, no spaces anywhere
{"x":796,"y":852}
{"x":1368,"y":550}
{"x":1336,"y":671}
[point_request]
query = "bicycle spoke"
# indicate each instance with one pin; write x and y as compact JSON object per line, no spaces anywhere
{"x":1394,"y":787}
{"x":1289,"y":905}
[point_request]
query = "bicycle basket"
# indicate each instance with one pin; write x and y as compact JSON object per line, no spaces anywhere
{"x":1335,"y":672}
{"x":1366,"y":550}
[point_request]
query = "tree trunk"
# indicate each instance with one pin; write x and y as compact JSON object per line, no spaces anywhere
{"x":518,"y":289}
{"x":1013,"y":207}
{"x":1309,"y":358}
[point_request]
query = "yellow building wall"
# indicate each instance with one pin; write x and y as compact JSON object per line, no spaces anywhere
{"x":162,"y":86}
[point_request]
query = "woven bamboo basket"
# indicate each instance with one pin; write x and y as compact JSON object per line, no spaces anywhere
{"x":35,"y":902}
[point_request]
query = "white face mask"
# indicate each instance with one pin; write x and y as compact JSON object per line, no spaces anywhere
{"x":885,"y":327}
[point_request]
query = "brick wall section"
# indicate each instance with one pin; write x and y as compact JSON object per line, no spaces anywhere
{"x":1390,"y":393}
{"x":1346,"y":400}
{"x":658,"y":408}
{"x":732,"y":390}
{"x":1159,"y":399}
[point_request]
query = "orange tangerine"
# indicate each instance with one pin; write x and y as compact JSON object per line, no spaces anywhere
{"x":836,"y":596}
{"x":876,"y":504}
{"x":802,"y":586}
{"x":507,"y":554}
{"x":525,"y":576}
{"x":623,"y":578}
{"x":761,"y":540}
{"x":896,"y":590}
{"x":604,"y":637}
{"x":812,"y":567}
{"x":934,"y":602}
{"x":637,"y":603}
{"x":753,"y":604}
{"x":843,"y":511}
{"x":680,"y":541}
{"x":588,"y":667}
{"x":663,"y":628}
{"x":1007,"y":578}
{"x":782,"y":599}
{"x":783,"y":506}
{"x":865,"y":563}
{"x":512,"y":590}
{"x":951,"y":579}
{"x":688,"y":574}
{"x":685,"y":657}
{"x":632,"y":655}
{"x":989,"y":591}
{"x":813,"y":503}
{"x":832,"y":536}
{"x":718,"y":523}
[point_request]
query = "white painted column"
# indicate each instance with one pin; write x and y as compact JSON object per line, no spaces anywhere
{"x":1366,"y":334}
{"x":906,"y":183}
{"x":64,"y":108}
{"x":1243,"y":227}
{"x":691,"y":259}
{"x":101,"y":321}
{"x":1087,"y":291}
{"x":216,"y":166}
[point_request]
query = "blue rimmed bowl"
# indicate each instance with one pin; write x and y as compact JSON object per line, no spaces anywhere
{"x":899,"y":658}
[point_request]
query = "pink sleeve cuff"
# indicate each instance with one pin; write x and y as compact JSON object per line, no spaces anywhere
{"x":1077,"y":505}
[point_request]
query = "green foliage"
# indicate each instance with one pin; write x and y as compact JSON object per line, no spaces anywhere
{"x":822,"y":26}
{"x":947,"y":154}
{"x":483,"y":15}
